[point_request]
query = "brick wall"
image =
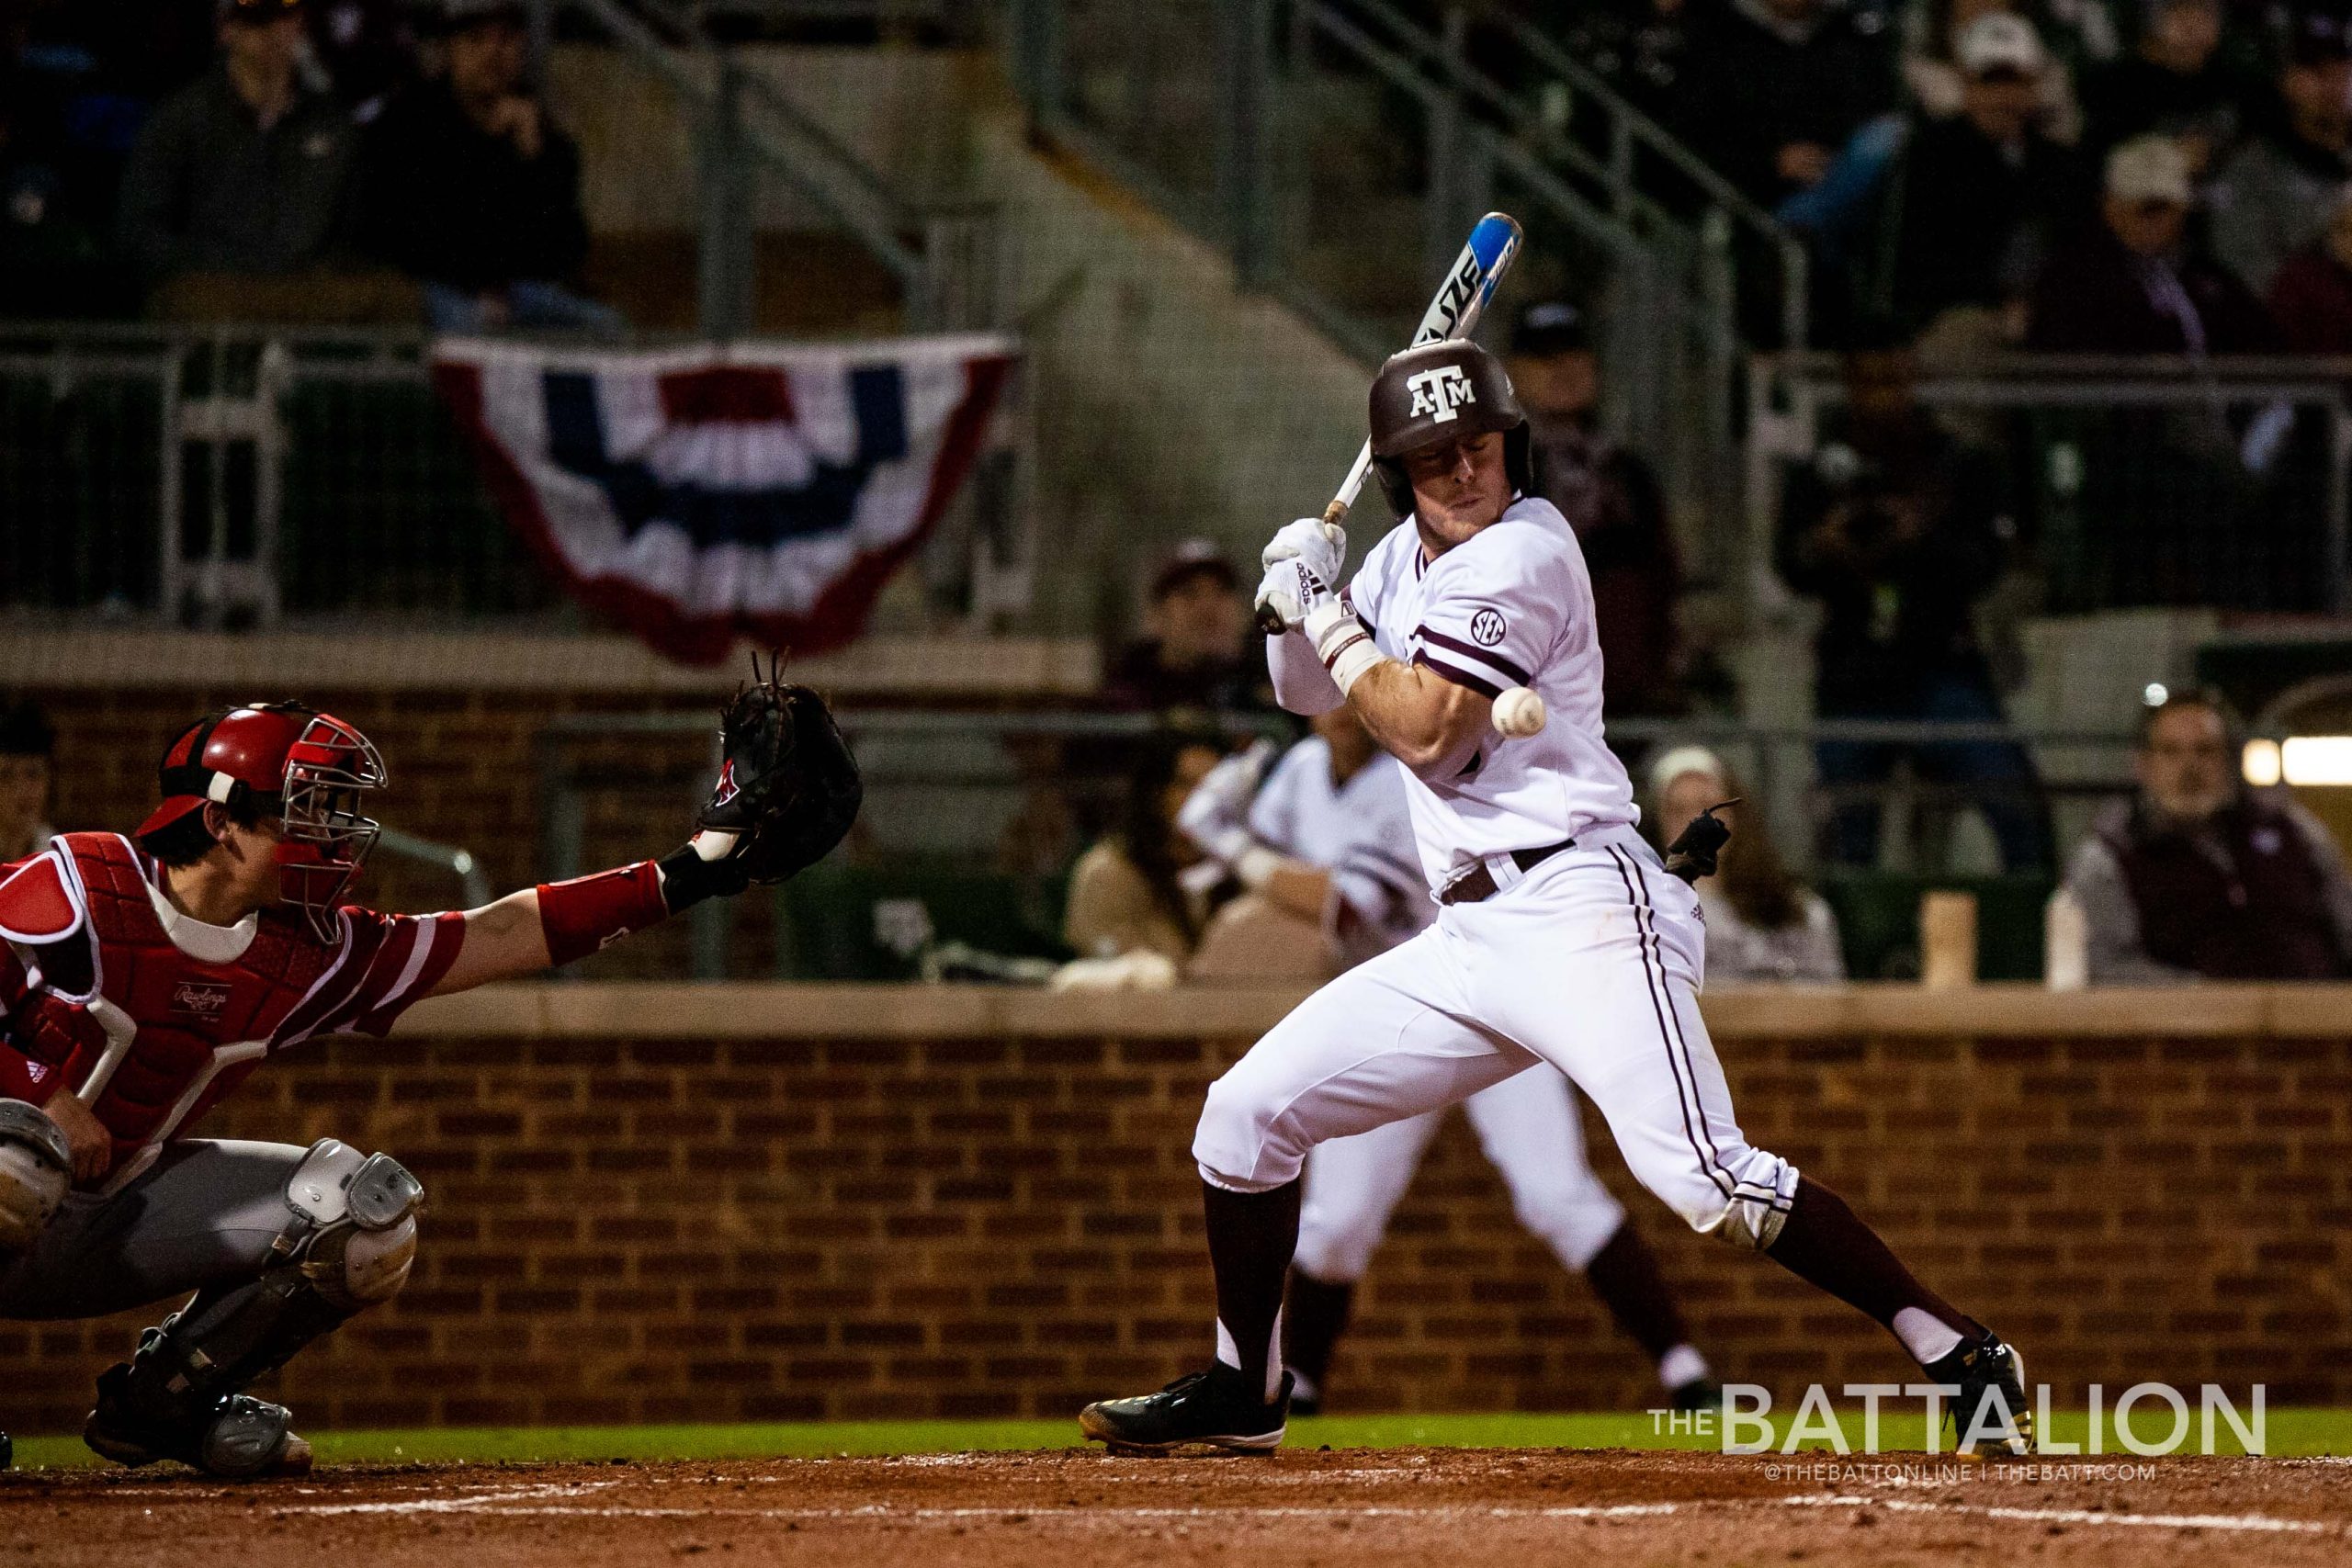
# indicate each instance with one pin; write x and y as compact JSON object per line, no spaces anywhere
{"x":1007,"y":1225}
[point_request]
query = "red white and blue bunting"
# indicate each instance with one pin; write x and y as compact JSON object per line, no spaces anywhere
{"x":703,"y":494}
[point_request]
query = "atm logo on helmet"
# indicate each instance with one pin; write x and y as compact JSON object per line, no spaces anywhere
{"x":1440,"y":392}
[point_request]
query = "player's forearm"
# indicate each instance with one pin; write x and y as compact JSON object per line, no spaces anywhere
{"x":557,"y":922}
{"x":1422,"y":719}
{"x":1301,"y":683}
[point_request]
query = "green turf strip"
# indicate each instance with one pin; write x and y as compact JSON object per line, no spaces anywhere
{"x":2290,"y":1432}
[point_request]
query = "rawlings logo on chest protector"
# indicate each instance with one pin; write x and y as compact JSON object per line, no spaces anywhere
{"x":200,"y":998}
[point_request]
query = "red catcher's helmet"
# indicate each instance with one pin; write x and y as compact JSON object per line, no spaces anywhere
{"x":285,"y":760}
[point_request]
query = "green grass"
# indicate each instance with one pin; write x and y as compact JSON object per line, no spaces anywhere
{"x":2290,"y":1432}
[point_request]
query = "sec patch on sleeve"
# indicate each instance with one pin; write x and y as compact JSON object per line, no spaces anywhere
{"x":1487,"y":629}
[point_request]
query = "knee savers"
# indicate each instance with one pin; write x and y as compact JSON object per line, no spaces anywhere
{"x":363,"y":1212}
{"x":36,"y":1168}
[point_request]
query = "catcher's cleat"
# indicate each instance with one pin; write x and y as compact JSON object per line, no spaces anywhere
{"x":234,"y":1436}
{"x":1216,"y":1408}
{"x":1983,"y":1366}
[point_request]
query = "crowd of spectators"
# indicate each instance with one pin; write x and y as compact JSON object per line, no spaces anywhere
{"x":285,"y":160}
{"x":2096,"y":175}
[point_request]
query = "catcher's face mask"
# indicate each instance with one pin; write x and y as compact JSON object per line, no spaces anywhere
{"x":328,"y":768}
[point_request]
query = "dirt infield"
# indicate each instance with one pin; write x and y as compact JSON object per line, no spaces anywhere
{"x":1353,"y":1507}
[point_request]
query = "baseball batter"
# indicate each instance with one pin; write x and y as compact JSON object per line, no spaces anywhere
{"x":1559,"y":938}
{"x":144,"y":976}
{"x":1327,"y":835}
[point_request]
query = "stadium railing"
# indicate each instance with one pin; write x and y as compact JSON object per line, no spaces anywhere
{"x":232,"y":476}
{"x":1339,"y":150}
{"x":2221,"y":483}
{"x":945,"y":856}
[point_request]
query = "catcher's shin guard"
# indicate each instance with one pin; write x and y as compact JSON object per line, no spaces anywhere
{"x":179,"y":1396}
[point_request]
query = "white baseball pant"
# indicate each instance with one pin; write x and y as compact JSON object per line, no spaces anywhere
{"x":1529,"y":1128}
{"x":1590,"y":962}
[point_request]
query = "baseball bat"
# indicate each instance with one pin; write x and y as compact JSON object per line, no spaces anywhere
{"x":1461,"y":300}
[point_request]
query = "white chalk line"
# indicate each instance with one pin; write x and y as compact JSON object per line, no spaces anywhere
{"x":2257,"y":1522}
{"x":549,"y":1501}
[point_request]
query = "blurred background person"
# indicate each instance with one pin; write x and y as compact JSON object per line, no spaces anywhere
{"x":1899,"y":530}
{"x":2134,"y":281}
{"x":2201,"y":878}
{"x":2175,"y":82}
{"x":1612,"y":498}
{"x":246,"y":173}
{"x":474,"y":190}
{"x":1763,"y":925}
{"x":1975,"y":198}
{"x":1195,"y":653}
{"x":28,"y":747}
{"x":2274,"y":192}
{"x":1144,"y":887}
{"x":2311,"y":297}
{"x":1778,"y":85}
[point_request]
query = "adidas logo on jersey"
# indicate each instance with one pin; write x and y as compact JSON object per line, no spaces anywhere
{"x":1440,"y":392}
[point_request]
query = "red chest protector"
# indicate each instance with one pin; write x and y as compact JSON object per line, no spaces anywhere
{"x":164,"y":1033}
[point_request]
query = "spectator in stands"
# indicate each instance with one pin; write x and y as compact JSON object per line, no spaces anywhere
{"x":2133,"y":283}
{"x":1194,"y":654}
{"x":1778,"y":85}
{"x":475,"y":191}
{"x":2312,"y":297}
{"x":27,"y":745}
{"x":1899,"y":530}
{"x":1611,"y":499}
{"x":1145,"y":888}
{"x":1978,"y":195}
{"x":2175,"y":84}
{"x":1762,"y":923}
{"x":2274,"y":192}
{"x":1937,"y":77}
{"x":2202,"y":877}
{"x":244,"y":172}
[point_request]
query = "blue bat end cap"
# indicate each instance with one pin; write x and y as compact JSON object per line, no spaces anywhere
{"x":1494,"y":235}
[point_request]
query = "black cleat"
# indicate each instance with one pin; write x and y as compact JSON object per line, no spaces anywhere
{"x":1980,"y":1368}
{"x":233,"y":1436}
{"x":1216,"y":1408}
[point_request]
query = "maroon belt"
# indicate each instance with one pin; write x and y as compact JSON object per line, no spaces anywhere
{"x":1477,"y":885}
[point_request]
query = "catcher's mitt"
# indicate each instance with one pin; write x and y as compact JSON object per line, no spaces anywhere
{"x":787,"y":785}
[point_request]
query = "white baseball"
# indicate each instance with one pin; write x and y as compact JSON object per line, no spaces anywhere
{"x":1520,"y":712}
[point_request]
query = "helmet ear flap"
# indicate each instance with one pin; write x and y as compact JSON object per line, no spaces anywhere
{"x":1394,"y":485}
{"x":1519,"y":458}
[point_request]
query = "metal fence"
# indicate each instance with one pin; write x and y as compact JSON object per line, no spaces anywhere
{"x":972,"y":820}
{"x":227,"y":478}
{"x":1339,"y":150}
{"x":2219,"y":483}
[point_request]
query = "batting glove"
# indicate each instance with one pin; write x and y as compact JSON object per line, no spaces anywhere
{"x":1214,"y":815}
{"x":1292,"y":591}
{"x":1320,"y":547}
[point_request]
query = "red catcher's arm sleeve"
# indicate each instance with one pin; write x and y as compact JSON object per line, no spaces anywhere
{"x":21,"y":1077}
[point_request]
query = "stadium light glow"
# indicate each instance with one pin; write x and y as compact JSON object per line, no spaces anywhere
{"x":2321,"y":759}
{"x":2259,"y":762}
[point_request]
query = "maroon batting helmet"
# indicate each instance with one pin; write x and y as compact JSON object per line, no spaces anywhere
{"x":1437,"y":392}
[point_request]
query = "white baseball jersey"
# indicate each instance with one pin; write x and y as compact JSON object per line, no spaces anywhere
{"x":1510,"y":607}
{"x":1361,"y":831}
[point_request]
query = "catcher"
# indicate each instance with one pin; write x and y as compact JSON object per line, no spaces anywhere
{"x":143,"y":977}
